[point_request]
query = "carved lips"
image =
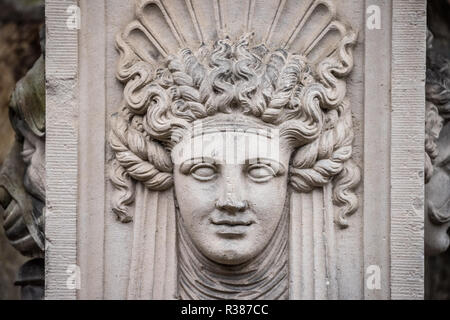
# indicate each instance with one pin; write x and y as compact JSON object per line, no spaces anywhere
{"x":231,"y":227}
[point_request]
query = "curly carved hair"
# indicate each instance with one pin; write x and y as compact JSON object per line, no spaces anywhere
{"x":438,"y":103}
{"x":307,"y":103}
{"x":433,"y":127}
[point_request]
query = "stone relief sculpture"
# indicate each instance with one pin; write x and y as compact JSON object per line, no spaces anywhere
{"x":234,"y":132}
{"x":22,"y":180}
{"x":437,"y":148}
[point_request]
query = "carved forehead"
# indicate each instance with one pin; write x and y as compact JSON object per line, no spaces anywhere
{"x":231,"y":139}
{"x":235,"y":121}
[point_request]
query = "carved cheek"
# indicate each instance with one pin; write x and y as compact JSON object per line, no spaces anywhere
{"x":267,"y":199}
{"x":195,"y":198}
{"x":438,"y":188}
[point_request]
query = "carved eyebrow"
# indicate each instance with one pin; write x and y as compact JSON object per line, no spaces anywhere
{"x":277,"y":166}
{"x":186,"y":165}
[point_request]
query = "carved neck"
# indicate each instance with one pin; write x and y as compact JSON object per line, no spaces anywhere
{"x":264,"y":277}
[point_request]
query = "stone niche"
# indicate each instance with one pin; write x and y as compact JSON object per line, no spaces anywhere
{"x":235,"y":149}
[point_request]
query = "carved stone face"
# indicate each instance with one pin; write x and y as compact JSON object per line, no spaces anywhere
{"x":33,"y":155}
{"x":230,"y":184}
{"x":437,"y":190}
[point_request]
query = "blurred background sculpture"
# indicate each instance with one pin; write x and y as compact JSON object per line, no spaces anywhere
{"x":22,"y":174}
{"x":437,"y":147}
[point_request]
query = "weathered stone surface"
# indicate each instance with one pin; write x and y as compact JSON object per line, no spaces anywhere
{"x":143,"y":230}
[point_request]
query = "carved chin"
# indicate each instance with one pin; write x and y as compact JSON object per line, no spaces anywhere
{"x":437,"y":235}
{"x":437,"y":243}
{"x":229,"y":251}
{"x":231,"y":257}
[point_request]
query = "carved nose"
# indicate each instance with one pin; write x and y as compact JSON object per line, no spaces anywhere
{"x":232,"y":205}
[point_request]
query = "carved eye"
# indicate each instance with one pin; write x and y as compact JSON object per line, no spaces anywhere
{"x":261,"y":172}
{"x":203,"y":171}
